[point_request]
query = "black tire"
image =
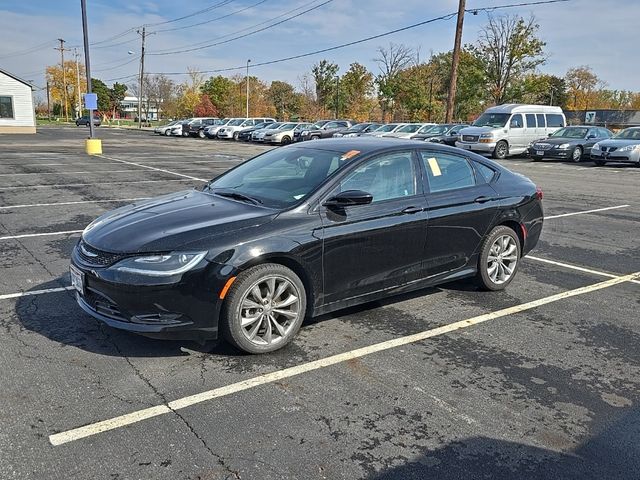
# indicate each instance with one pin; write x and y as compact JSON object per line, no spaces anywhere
{"x":185,"y":134}
{"x":501,"y":150}
{"x":483,"y":278}
{"x":167,"y":133}
{"x":576,"y":154}
{"x":236,"y":135}
{"x":230,"y":319}
{"x":286,"y":140}
{"x":600,"y":163}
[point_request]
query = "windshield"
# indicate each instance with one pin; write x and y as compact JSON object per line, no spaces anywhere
{"x":495,"y":120}
{"x":273,"y":126}
{"x":372,"y":127}
{"x":282,"y":177}
{"x":571,"y":132}
{"x":387,"y":128}
{"x":435,"y":129}
{"x":629,"y":134}
{"x":217,"y":121}
{"x":235,"y":123}
{"x":359,"y":127}
{"x":287,"y":126}
{"x":409,"y":129}
{"x":319,"y":125}
{"x":303,"y":126}
{"x":262,"y":125}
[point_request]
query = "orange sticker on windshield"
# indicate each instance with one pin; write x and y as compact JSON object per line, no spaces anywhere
{"x":349,"y":154}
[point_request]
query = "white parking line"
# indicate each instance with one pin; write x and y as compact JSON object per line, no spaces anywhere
{"x":48,"y":234}
{"x":71,"y":173}
{"x":87,"y":184}
{"x":143,"y":414}
{"x":586,"y":211}
{"x":35,"y":292}
{"x":114,"y":200}
{"x":576,"y":267}
{"x":154,"y":168}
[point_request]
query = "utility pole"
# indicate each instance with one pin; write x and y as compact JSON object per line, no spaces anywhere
{"x":64,"y":79}
{"x":451,"y":99}
{"x":78,"y":81}
{"x":144,"y":35}
{"x":48,"y":103}
{"x":337,"y":95}
{"x":430,"y":98}
{"x":87,"y":63}
{"x":247,"y":81}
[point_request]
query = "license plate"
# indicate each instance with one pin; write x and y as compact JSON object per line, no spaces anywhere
{"x":77,"y":279}
{"x":539,"y":152}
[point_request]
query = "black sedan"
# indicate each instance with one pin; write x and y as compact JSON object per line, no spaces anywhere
{"x":245,"y":134}
{"x":446,"y":133}
{"x":301,"y":231}
{"x":569,"y":143}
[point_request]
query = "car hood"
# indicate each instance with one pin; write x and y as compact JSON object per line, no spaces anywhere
{"x":171,"y":221}
{"x":618,"y":142}
{"x":559,"y":140}
{"x":478,"y":130}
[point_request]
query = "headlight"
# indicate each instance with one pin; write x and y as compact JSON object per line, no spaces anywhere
{"x":629,"y":148}
{"x":304,"y":133}
{"x":596,"y":147}
{"x":487,"y":135}
{"x":564,"y":146}
{"x":164,"y":265}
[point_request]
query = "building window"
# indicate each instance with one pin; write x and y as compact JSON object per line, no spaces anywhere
{"x":6,"y":107}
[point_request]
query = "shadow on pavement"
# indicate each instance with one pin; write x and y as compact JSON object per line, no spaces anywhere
{"x":612,"y":454}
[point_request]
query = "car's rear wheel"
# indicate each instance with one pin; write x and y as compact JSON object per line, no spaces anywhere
{"x":315,"y":137}
{"x":201,"y":133}
{"x":576,"y":154}
{"x":264,"y":308}
{"x":499,"y":259}
{"x":600,"y":163}
{"x":236,"y":135}
{"x":286,"y":140}
{"x":167,"y":132}
{"x":185,"y":134}
{"x":501,"y":150}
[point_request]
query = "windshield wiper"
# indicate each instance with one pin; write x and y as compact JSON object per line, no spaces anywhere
{"x":238,"y":196}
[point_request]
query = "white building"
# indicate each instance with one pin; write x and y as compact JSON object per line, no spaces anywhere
{"x":17,"y":114}
{"x":129,"y":108}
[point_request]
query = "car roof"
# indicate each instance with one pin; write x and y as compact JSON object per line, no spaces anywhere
{"x":523,"y":108}
{"x":370,"y":144}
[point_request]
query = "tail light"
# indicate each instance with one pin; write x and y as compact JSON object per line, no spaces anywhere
{"x":539,"y":193}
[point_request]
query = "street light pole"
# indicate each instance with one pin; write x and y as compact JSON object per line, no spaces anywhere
{"x":87,"y":63}
{"x":78,"y":81}
{"x":247,"y":81}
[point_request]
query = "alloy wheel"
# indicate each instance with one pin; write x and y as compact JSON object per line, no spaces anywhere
{"x":576,"y":155}
{"x":502,"y":259}
{"x":269,"y":310}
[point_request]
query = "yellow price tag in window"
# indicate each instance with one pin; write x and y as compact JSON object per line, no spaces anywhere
{"x":435,"y":168}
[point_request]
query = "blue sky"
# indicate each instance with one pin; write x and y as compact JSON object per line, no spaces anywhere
{"x":575,"y":33}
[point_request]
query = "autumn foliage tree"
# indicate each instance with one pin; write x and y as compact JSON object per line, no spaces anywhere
{"x":205,"y":108}
{"x":58,"y":78}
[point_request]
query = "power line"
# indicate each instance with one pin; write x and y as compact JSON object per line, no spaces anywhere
{"x":131,"y":60}
{"x":195,"y":48}
{"x":213,"y":19}
{"x":204,"y":10}
{"x":28,"y":50}
{"x":356,"y":42}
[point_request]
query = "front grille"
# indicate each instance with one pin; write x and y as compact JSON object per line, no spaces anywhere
{"x":470,"y":138}
{"x":609,"y":149}
{"x":542,"y":146}
{"x":94,"y":257}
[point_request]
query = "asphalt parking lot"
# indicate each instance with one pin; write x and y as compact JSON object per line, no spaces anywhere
{"x":539,"y":381}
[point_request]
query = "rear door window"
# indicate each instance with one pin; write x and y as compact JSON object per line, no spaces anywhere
{"x":555,"y":120}
{"x":541,"y":120}
{"x":446,"y":171}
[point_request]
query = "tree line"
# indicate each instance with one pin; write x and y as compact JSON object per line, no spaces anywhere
{"x":502,"y":66}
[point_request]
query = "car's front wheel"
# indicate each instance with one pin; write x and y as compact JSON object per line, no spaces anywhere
{"x":499,"y":259}
{"x":167,"y":132}
{"x":501,"y":150}
{"x":236,"y":135}
{"x":264,"y":308}
{"x":576,"y":154}
{"x":201,"y":133}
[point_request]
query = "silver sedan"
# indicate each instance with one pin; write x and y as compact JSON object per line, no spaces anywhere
{"x":622,"y":148}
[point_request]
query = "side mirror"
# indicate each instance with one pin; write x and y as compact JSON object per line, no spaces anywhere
{"x":349,"y":198}
{"x":549,"y":134}
{"x":591,"y":136}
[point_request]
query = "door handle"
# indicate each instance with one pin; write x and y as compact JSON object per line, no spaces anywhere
{"x":412,"y":210}
{"x":483,"y":199}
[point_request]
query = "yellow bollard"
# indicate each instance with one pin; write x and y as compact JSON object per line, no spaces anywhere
{"x":94,"y":146}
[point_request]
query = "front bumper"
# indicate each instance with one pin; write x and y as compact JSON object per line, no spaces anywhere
{"x":225,"y":134}
{"x":186,"y":309}
{"x":477,"y":147}
{"x":556,"y":153}
{"x":616,"y":156}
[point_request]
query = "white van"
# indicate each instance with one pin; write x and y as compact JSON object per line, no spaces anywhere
{"x":509,"y":129}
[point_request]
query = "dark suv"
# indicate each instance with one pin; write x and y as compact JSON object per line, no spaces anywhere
{"x":85,"y":121}
{"x":195,"y":128}
{"x":316,"y":132}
